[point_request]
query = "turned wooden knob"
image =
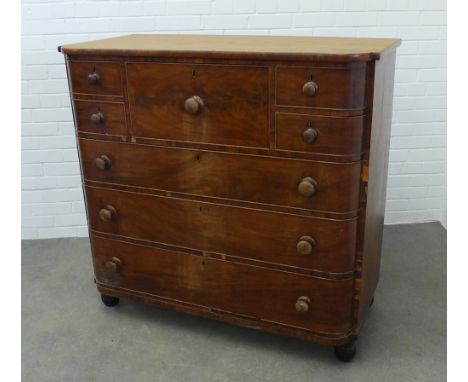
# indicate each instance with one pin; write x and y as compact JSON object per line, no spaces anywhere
{"x":305,"y":245}
{"x":97,"y":118}
{"x":309,"y":89}
{"x":102,"y":162}
{"x":302,"y":304}
{"x":107,"y":213}
{"x":310,"y":135}
{"x":93,"y":78}
{"x":193,"y":105}
{"x":113,"y":264}
{"x":307,"y":186}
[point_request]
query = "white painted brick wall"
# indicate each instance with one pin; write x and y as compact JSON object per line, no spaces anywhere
{"x":52,"y":197}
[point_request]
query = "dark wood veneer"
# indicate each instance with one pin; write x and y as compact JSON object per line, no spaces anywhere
{"x":235,"y":103}
{"x":236,"y":231}
{"x":239,"y":177}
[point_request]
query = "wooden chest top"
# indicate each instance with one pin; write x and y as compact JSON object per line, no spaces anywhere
{"x":248,"y":47}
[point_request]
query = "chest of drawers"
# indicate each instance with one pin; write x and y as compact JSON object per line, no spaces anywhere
{"x":238,"y":178}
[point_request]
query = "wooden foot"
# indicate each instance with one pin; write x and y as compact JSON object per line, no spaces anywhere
{"x":109,"y":300}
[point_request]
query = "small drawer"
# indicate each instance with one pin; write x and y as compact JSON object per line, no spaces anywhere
{"x":217,"y":104}
{"x":321,"y":88}
{"x":97,"y":117}
{"x":96,"y":77}
{"x":270,"y":295}
{"x":320,"y":134}
{"x":324,"y":245}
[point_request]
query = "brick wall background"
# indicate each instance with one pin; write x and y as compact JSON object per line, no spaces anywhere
{"x":52,"y":200}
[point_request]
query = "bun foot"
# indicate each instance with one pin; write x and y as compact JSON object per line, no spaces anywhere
{"x":109,"y":300}
{"x":346,"y":352}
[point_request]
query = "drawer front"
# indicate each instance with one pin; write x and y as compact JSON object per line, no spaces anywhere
{"x":235,"y":231}
{"x":319,"y":134}
{"x":253,"y":291}
{"x":231,"y":108}
{"x":95,"y":77}
{"x":334,"y":88}
{"x":98,"y":117}
{"x":240,"y":177}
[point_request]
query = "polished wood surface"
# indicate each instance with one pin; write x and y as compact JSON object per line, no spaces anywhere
{"x":327,"y":135}
{"x":239,"y":177}
{"x":231,"y":104}
{"x":100,"y":117}
{"x":334,"y":88}
{"x":374,"y":186}
{"x":230,"y":230}
{"x":108,"y":82}
{"x":245,"y":47}
{"x":256,"y":292}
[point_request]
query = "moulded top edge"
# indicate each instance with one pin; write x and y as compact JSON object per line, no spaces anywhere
{"x":227,"y":46}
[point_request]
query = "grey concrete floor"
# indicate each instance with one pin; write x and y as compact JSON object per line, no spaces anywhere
{"x":69,"y":335}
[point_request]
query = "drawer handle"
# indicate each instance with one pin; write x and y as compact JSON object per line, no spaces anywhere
{"x":310,"y":135}
{"x":193,"y":105}
{"x":113,"y":265}
{"x":302,"y":304}
{"x":305,"y":245}
{"x":102,"y":162}
{"x":93,"y":78}
{"x":310,"y":88}
{"x":307,"y":186}
{"x":107,"y":213}
{"x":97,"y":118}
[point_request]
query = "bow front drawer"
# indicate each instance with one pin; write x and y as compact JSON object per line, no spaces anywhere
{"x":96,"y":77}
{"x":216,"y":104}
{"x":306,"y":184}
{"x":275,"y":296}
{"x":332,"y":136}
{"x":320,"y":244}
{"x":321,"y":88}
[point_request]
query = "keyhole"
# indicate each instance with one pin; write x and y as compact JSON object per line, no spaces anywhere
{"x":311,"y":77}
{"x":194,"y":73}
{"x":310,"y":123}
{"x":198,"y":157}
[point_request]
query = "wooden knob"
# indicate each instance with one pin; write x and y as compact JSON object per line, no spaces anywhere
{"x":97,"y":118}
{"x":309,"y":89}
{"x":93,"y":78}
{"x":113,"y":265}
{"x":107,"y":213}
{"x":305,"y":245}
{"x":193,"y":105}
{"x":310,"y":135}
{"x":102,"y":162}
{"x":302,"y":304}
{"x":307,"y":186}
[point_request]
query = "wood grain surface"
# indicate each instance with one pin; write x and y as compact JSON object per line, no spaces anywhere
{"x":336,"y":88}
{"x":235,"y":99}
{"x":231,"y":176}
{"x":236,"y":231}
{"x":256,"y":292}
{"x":246,"y":47}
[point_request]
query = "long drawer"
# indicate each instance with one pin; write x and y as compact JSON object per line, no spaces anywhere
{"x":307,"y":242}
{"x":334,"y":187}
{"x":274,"y":296}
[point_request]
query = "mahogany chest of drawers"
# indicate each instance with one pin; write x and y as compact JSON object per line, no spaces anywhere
{"x":239,"y":178}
